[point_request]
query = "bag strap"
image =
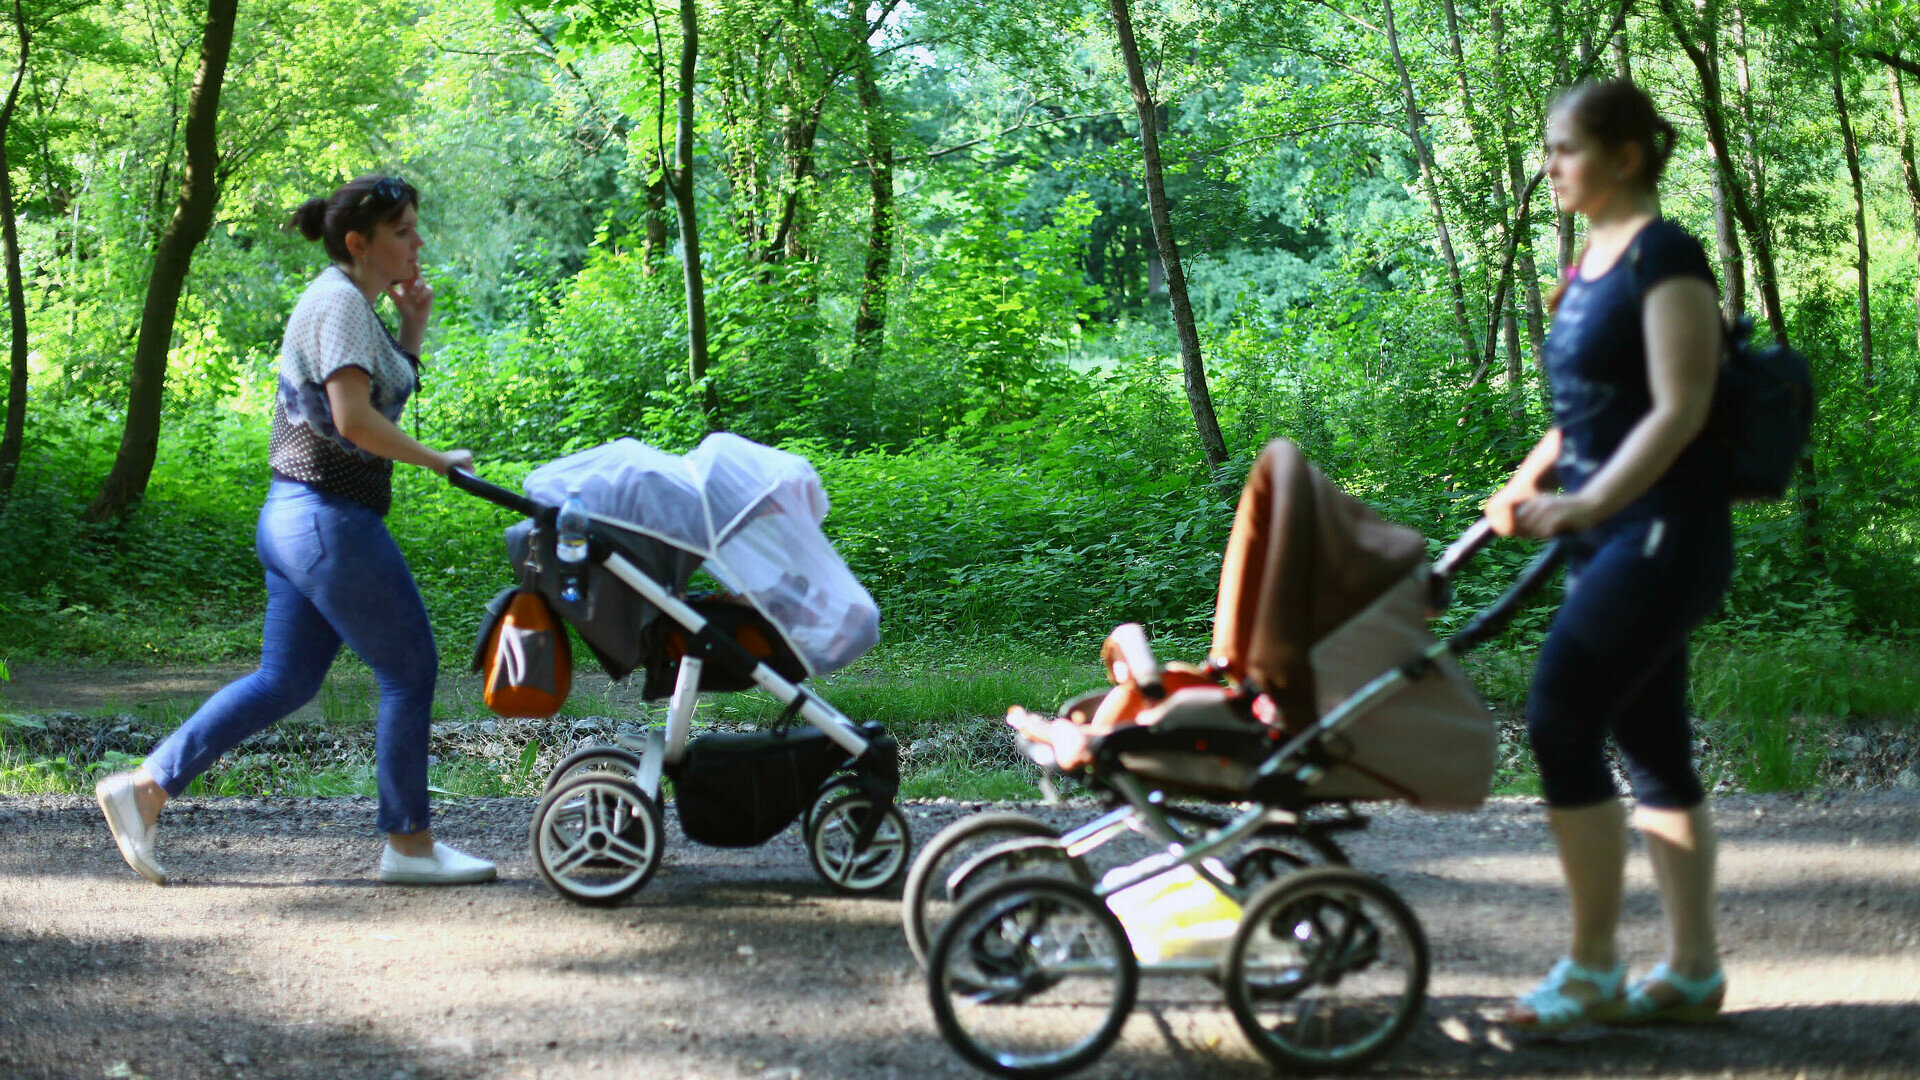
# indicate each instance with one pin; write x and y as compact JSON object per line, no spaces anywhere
{"x":496,"y":610}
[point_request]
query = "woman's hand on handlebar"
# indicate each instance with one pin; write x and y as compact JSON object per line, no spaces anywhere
{"x":454,"y":459}
{"x":1547,"y":516}
{"x":1520,"y":509}
{"x":1500,"y":509}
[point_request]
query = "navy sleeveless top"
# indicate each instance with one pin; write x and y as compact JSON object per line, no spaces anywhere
{"x":1596,"y":361}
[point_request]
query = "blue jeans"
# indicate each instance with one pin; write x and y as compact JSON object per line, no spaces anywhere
{"x":334,"y":575}
{"x":1615,"y":660}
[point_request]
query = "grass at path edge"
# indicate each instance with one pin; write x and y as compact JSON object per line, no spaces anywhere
{"x":1767,"y":722}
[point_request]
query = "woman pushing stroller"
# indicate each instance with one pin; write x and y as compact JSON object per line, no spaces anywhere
{"x":1635,"y":345}
{"x":334,"y":574}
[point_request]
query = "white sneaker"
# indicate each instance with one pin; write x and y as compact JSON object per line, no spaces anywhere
{"x":444,"y":867}
{"x":133,"y":835}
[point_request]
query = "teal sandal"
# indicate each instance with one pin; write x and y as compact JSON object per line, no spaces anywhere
{"x":1548,"y":1007}
{"x":1698,"y":1002}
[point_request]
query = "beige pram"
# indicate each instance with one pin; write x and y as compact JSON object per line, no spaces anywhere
{"x":1324,"y":687}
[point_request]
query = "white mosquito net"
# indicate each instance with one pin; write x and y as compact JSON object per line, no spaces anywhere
{"x":752,"y":512}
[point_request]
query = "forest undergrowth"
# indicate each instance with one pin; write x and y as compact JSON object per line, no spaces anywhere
{"x":924,"y":260}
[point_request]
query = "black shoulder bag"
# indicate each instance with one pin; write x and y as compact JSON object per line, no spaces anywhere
{"x":1762,"y":408}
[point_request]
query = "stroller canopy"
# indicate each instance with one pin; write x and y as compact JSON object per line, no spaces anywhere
{"x":750,"y":512}
{"x":1318,"y":595}
{"x":1303,"y":558}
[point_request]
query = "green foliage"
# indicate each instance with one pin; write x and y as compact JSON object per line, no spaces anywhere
{"x":1016,"y":460}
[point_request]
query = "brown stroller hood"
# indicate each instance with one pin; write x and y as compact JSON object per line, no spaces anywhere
{"x":1303,"y":558}
{"x":1318,"y":595}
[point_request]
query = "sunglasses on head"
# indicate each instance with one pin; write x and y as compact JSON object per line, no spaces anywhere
{"x":388,"y":189}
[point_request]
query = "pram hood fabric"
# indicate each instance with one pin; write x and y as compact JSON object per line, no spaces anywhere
{"x":1318,"y":595}
{"x":1303,"y":558}
{"x":751,"y":512}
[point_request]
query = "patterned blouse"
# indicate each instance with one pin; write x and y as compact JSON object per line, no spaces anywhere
{"x":333,"y":327}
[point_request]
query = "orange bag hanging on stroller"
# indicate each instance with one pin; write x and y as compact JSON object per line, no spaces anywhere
{"x":524,"y":655}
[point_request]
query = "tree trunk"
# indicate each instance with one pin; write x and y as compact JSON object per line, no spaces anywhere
{"x":797,"y":139}
{"x":1514,"y":190}
{"x":656,"y":224}
{"x":1430,"y":175}
{"x":1517,"y":184}
{"x":1506,"y":275}
{"x":1733,"y":267}
{"x":16,"y":426}
{"x":1212,"y":444}
{"x":1489,"y":147}
{"x":680,"y":180}
{"x":1852,"y":149}
{"x":1563,"y":226}
{"x":1714,"y":113}
{"x":1899,"y":102}
{"x":1756,"y":165}
{"x":1733,"y":275}
{"x":870,"y":322}
{"x":172,"y":258}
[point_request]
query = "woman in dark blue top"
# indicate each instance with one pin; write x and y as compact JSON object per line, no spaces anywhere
{"x":1632,"y":356}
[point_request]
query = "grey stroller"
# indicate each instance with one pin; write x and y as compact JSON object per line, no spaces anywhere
{"x":750,"y":514}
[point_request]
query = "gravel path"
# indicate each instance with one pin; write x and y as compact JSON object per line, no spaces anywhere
{"x":276,"y":955}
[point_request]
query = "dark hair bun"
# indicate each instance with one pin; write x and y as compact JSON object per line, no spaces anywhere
{"x":1664,"y":138}
{"x":1616,"y":112}
{"x":310,"y":218}
{"x":356,"y":206}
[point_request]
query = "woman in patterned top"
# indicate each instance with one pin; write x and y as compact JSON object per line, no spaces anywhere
{"x":334,"y":574}
{"x":1642,"y":504}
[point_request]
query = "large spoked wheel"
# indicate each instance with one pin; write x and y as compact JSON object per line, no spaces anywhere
{"x":1032,"y":977}
{"x":614,"y":760}
{"x":1327,"y":971}
{"x":830,"y":844}
{"x":935,"y":883}
{"x":597,"y":838}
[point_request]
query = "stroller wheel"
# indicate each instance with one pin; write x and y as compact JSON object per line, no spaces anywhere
{"x":830,"y":844}
{"x":595,"y":759}
{"x":953,"y":862}
{"x":831,"y":790}
{"x":1033,"y":940}
{"x":1269,"y":858}
{"x":1327,"y":970}
{"x":1263,"y":864}
{"x":597,"y":838}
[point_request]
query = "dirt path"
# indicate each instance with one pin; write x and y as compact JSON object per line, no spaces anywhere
{"x":275,"y":955}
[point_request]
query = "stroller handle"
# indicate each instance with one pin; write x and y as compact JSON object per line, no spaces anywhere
{"x":1495,"y":618}
{"x":1458,"y":552}
{"x":493,"y":493}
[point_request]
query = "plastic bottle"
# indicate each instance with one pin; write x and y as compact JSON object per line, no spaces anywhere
{"x":570,"y":545}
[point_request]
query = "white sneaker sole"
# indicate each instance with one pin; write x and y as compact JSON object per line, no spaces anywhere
{"x":123,"y":839}
{"x":411,"y":877}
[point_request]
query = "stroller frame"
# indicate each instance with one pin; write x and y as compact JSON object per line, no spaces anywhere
{"x":1006,"y":893}
{"x":597,"y":833}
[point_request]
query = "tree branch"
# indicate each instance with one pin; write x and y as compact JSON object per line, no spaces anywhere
{"x":931,"y":154}
{"x":1893,"y":60}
